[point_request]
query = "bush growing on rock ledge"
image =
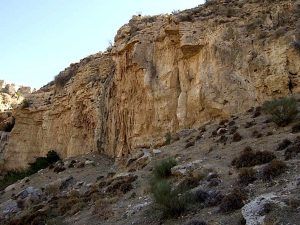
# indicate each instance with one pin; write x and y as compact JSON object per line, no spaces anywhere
{"x":40,"y":163}
{"x":44,"y":162}
{"x":25,"y":104}
{"x":282,"y":110}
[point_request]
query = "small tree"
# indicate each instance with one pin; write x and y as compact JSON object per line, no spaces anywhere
{"x":282,"y":110}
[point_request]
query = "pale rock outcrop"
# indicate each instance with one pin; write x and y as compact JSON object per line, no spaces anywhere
{"x":255,"y":211}
{"x":164,"y":74}
{"x":23,"y":90}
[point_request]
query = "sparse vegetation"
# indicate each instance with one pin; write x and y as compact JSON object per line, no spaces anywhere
{"x":283,"y":145}
{"x":43,"y":162}
{"x":292,"y":151}
{"x":207,"y":198}
{"x":11,"y":177}
{"x":63,"y":77}
{"x":273,"y":169}
{"x":282,"y":110}
{"x":163,"y":168}
{"x":190,"y":144}
{"x":247,"y":176}
{"x":110,"y":46}
{"x":232,"y":201}
{"x":25,"y":104}
{"x":196,"y":222}
{"x":40,"y":163}
{"x":249,"y":158}
{"x":172,"y":201}
{"x":55,"y":221}
{"x":296,"y":128}
{"x":168,"y":138}
{"x":236,"y":137}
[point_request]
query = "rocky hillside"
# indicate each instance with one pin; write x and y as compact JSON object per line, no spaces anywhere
{"x":164,"y":74}
{"x":244,"y":170}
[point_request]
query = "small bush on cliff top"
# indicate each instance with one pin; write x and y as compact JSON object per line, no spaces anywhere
{"x":282,"y":111}
{"x":25,"y":104}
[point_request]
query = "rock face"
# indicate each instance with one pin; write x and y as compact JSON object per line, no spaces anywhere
{"x":164,"y":74}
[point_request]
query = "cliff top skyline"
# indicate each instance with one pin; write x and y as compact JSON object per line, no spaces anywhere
{"x":40,"y":39}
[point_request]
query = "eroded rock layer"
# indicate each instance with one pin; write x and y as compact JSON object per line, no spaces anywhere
{"x":165,"y":73}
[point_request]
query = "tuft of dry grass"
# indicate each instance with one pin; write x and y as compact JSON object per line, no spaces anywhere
{"x":283,"y":144}
{"x":233,"y":201}
{"x":273,"y":169}
{"x":247,"y":176}
{"x":249,"y":158}
{"x":292,"y":151}
{"x":236,"y":137}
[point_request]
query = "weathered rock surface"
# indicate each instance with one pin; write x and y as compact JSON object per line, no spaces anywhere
{"x":254,"y":212}
{"x":164,"y":74}
{"x":11,"y":95}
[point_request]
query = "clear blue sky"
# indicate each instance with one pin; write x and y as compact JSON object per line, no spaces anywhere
{"x":39,"y":38}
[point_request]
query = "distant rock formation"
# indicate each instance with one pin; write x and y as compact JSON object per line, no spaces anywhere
{"x":11,"y":95}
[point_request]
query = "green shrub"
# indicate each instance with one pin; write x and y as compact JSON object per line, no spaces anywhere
{"x":282,"y":110}
{"x":11,"y":177}
{"x":25,"y":104}
{"x":44,"y":162}
{"x":52,"y":156}
{"x":163,"y":168}
{"x":172,"y":201}
{"x":40,"y":163}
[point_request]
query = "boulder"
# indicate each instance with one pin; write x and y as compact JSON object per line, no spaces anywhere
{"x":186,"y":169}
{"x":254,"y":212}
{"x":9,"y":89}
{"x":8,"y":208}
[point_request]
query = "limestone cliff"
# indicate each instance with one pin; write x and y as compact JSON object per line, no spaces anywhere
{"x":165,"y":73}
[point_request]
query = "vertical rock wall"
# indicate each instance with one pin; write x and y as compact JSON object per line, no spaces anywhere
{"x":165,"y":73}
